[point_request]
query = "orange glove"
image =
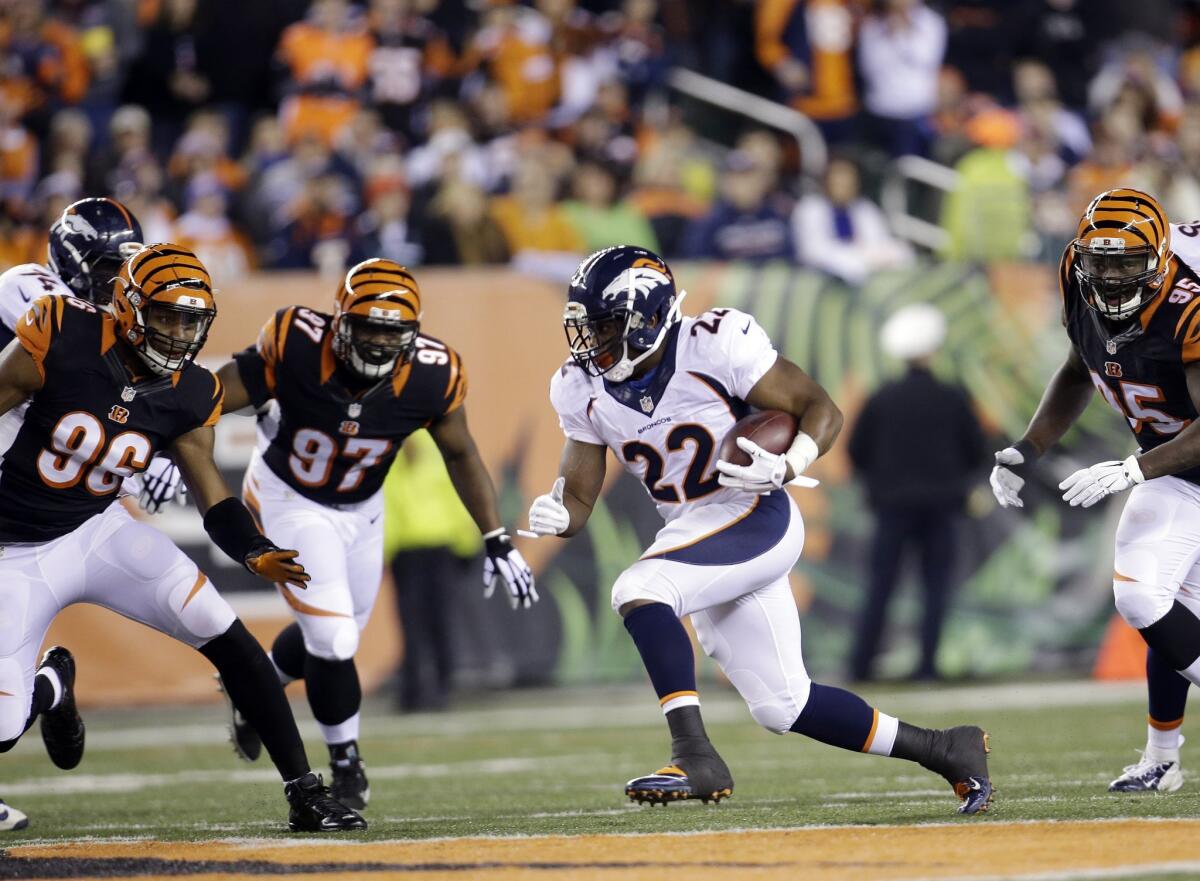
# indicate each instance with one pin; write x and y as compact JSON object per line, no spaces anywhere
{"x":278,"y":566}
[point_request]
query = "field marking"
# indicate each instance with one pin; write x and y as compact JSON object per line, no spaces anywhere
{"x":625,"y":708}
{"x":1133,"y":871}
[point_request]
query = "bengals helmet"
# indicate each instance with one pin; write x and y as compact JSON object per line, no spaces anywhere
{"x":620,"y":304}
{"x":163,"y":305}
{"x":89,"y":242}
{"x":1121,"y":250}
{"x":376,"y":318}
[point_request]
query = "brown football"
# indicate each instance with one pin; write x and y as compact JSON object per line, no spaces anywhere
{"x":773,"y":430}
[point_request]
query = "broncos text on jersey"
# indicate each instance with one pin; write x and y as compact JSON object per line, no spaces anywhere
{"x":666,"y":428}
{"x":91,"y":425}
{"x":1139,"y":369}
{"x":328,"y":444}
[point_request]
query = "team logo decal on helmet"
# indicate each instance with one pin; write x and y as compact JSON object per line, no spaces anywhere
{"x":163,"y":305}
{"x":621,"y":303}
{"x":89,"y":242}
{"x":377,"y":318}
{"x":1121,"y":251}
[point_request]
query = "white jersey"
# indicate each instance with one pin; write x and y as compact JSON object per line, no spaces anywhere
{"x":667,"y":430}
{"x":23,"y":284}
{"x":1185,"y":243}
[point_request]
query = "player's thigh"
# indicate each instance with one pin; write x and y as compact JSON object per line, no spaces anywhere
{"x":364,"y":567}
{"x":139,"y":573}
{"x":756,"y":640}
{"x":1158,"y":536}
{"x":27,"y":606}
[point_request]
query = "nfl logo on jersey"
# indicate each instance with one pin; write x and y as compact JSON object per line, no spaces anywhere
{"x":127,"y":394}
{"x":647,"y":403}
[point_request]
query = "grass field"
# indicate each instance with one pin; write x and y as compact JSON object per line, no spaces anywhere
{"x":552,"y":764}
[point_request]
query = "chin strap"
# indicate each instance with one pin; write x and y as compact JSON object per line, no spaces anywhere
{"x":624,"y":368}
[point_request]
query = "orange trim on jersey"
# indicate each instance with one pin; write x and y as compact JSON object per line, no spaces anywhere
{"x":328,"y":359}
{"x":460,"y":393}
{"x":866,"y":747}
{"x":1164,"y":726}
{"x":1167,"y":282}
{"x":200,"y":579}
{"x":305,"y":609}
{"x":36,"y":331}
{"x":707,"y":535}
{"x":218,"y":400}
{"x":455,"y":361}
{"x":281,"y":333}
{"x":1117,"y":576}
{"x":400,"y":378}
{"x":253,"y":506}
{"x":670,"y":697}
{"x":108,"y":334}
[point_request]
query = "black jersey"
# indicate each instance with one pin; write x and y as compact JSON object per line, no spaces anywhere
{"x":1138,"y":368}
{"x":329,"y":443}
{"x":91,"y":424}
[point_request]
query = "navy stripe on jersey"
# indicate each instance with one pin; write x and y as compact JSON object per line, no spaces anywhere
{"x":750,"y":536}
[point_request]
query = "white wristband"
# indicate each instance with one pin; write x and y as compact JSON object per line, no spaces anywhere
{"x":802,"y":453}
{"x":1134,"y":470}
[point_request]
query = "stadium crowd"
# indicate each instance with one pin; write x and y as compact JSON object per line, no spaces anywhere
{"x":293,"y":134}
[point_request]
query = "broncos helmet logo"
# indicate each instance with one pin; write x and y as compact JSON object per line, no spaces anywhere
{"x":80,"y":226}
{"x":641,"y":280}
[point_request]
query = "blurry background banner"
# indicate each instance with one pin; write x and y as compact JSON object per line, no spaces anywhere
{"x":1035,"y":584}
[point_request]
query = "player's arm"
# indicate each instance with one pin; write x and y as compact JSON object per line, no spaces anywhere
{"x":474,"y":487}
{"x":786,"y":387}
{"x":20,"y":376}
{"x":1182,"y":451}
{"x":226,"y":519}
{"x":565,"y":509}
{"x":237,"y":396}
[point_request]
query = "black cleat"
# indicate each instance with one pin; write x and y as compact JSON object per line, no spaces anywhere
{"x":701,"y":773}
{"x":960,"y":755}
{"x":62,"y":729}
{"x":349,"y":784}
{"x":313,"y":809}
{"x":246,"y":742}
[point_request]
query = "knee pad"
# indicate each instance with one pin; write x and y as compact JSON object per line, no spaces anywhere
{"x":331,"y":639}
{"x":1141,"y":604}
{"x":644,"y":581}
{"x":775,"y":711}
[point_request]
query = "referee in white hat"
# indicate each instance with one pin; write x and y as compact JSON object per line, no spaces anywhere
{"x":917,"y":446}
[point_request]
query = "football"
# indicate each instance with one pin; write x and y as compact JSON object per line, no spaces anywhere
{"x":773,"y":430}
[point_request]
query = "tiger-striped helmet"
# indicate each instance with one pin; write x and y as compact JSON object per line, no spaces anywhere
{"x":377,"y":317}
{"x":1122,"y":248}
{"x":163,"y":305}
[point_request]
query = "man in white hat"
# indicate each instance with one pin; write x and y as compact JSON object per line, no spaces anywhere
{"x":916,"y":445}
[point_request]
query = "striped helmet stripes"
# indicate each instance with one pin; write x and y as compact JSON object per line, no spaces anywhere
{"x":376,"y":319}
{"x":1121,"y":251}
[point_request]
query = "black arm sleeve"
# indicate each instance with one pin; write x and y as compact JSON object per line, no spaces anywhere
{"x":6,"y":336}
{"x":230,"y":526}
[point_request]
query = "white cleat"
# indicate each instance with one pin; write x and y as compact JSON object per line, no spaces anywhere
{"x":1157,"y":771}
{"x":11,"y":819}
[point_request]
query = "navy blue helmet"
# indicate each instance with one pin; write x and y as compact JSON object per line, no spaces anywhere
{"x":88,"y":244}
{"x":621,"y":303}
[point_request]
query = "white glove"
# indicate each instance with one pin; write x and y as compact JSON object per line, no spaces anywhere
{"x":548,"y":515}
{"x":1089,"y":485}
{"x":161,"y":483}
{"x":504,"y":562}
{"x":1006,"y":483}
{"x":766,"y":471}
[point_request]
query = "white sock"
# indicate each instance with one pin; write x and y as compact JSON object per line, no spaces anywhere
{"x":284,"y":679}
{"x":342,"y":731}
{"x":885,"y":735}
{"x":52,"y":677}
{"x":1160,"y":739}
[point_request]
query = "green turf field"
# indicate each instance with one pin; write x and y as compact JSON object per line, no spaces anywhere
{"x":554,"y":762}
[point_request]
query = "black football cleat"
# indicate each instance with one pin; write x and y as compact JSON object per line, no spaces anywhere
{"x":62,"y":729}
{"x":960,"y":755}
{"x":702,"y":775}
{"x":314,"y":809}
{"x":246,"y":742}
{"x":349,"y":784}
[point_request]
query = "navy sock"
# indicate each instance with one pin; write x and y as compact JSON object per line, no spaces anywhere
{"x":288,"y":651}
{"x":836,"y":717}
{"x":666,"y":652}
{"x":1167,"y":691}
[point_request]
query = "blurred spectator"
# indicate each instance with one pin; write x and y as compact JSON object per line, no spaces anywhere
{"x":206,"y":230}
{"x":900,"y":50}
{"x":808,"y":48}
{"x":916,"y":481}
{"x":449,"y":136}
{"x":1060,"y":34}
{"x":18,"y":159}
{"x":384,"y":230}
{"x":639,"y":48}
{"x":326,"y":58}
{"x":513,"y":49}
{"x":605,"y":133}
{"x":44,"y":66}
{"x":429,"y":542}
{"x":459,"y":230}
{"x":204,"y":150}
{"x":411,"y":56}
{"x":599,"y":218}
{"x":660,"y":196}
{"x":530,"y":216}
{"x":842,"y":233}
{"x":981,"y":43}
{"x":313,"y":229}
{"x":748,"y":222}
{"x":1134,"y":78}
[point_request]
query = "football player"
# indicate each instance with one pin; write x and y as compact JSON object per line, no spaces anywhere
{"x":344,"y":391}
{"x":660,"y":390}
{"x":107,"y":387}
{"x":1131,"y":308}
{"x":87,"y":245}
